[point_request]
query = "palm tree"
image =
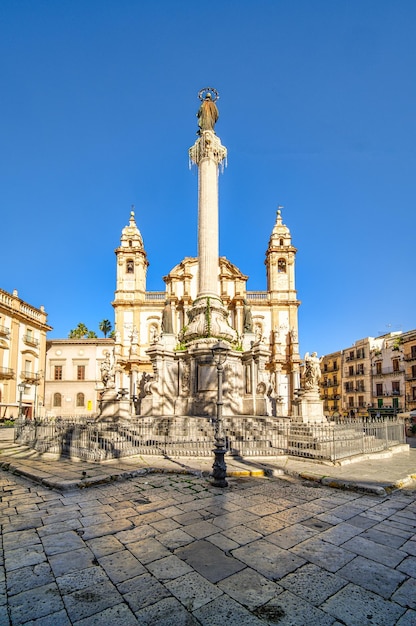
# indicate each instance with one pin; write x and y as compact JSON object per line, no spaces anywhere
{"x":105,"y":327}
{"x":81,"y":331}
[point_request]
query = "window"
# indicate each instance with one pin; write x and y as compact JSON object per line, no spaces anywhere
{"x":413,"y":352}
{"x":413,"y":371}
{"x":351,"y":402}
{"x":395,"y":388}
{"x":351,"y":355}
{"x":80,"y":373}
{"x":395,"y":365}
{"x":351,"y":370}
{"x":361,"y":401}
{"x":57,"y":399}
{"x":413,"y":393}
{"x":360,"y":353}
{"x":57,"y":373}
{"x":379,"y":389}
{"x":281,"y":242}
{"x":360,"y":385}
{"x":325,"y":367}
{"x":130,"y":266}
{"x":281,"y":266}
{"x":360,"y":369}
{"x":335,"y":366}
{"x":378,"y":367}
{"x":80,"y":399}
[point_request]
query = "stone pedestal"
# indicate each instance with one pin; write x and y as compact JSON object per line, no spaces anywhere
{"x":310,"y":407}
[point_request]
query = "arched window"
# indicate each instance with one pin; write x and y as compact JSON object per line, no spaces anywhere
{"x":80,"y":399}
{"x":57,"y":399}
{"x":130,"y":243}
{"x":281,"y":242}
{"x":281,"y":266}
{"x":130,"y":266}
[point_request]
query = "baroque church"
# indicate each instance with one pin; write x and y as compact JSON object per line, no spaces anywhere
{"x":265,"y":361}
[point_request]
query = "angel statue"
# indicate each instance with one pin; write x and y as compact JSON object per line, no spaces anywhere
{"x":312,"y":370}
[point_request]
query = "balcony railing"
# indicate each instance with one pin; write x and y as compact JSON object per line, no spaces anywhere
{"x":6,"y":372}
{"x":30,"y":340}
{"x":31,"y":377}
{"x":4,"y":331}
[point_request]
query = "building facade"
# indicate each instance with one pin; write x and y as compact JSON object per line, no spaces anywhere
{"x":73,"y":376}
{"x":23,"y":331}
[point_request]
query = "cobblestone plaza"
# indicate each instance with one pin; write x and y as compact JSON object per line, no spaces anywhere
{"x":170,"y":549}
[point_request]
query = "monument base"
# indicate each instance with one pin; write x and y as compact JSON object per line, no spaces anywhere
{"x":310,"y":408}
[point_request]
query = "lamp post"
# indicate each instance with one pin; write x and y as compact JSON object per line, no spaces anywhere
{"x":219,"y":469}
{"x":21,"y":387}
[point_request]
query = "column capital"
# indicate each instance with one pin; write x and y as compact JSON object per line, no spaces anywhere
{"x":207,"y":146}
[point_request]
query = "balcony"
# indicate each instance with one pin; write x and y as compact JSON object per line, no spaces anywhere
{"x":387,"y":371}
{"x":6,"y":372}
{"x":4,"y":331}
{"x":30,"y":340}
{"x":31,"y":378}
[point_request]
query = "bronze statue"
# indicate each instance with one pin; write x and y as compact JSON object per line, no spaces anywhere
{"x":208,"y":112}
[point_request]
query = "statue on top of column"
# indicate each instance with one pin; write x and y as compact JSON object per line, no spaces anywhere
{"x":208,"y":113}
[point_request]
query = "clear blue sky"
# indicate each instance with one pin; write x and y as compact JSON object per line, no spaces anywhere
{"x":317,"y":110}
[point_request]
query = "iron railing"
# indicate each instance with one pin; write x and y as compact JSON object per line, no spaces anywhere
{"x":194,"y":436}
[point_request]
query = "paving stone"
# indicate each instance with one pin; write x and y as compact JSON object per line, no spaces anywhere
{"x":267,"y":525}
{"x":408,"y":619}
{"x":135,"y":534}
{"x":383,"y":538}
{"x":62,"y":542}
{"x":291,"y":535}
{"x":175,"y":539}
{"x":166,"y":612}
{"x":99,"y":530}
{"x":289,"y":610}
{"x":121,"y":566}
{"x":101,"y":546}
{"x":355,"y":606}
{"x":409,"y":547}
{"x":81,"y":579}
{"x":312,"y":583}
{"x":375,"y":551}
{"x":35,"y":603}
{"x":361,"y":521}
{"x":208,"y":560}
{"x":234,"y":519}
{"x":142,"y":591}
{"x":372,"y":576}
{"x":55,"y":619}
{"x":250,"y":588}
{"x":406,"y":594}
{"x":119,"y":614}
{"x":224,"y":610}
{"x":169,"y":567}
{"x":193,"y":590}
{"x":323,"y":554}
{"x":23,"y":557}
{"x":224,"y":543}
{"x":148,"y":550}
{"x":294,"y":515}
{"x":91,"y":600}
{"x":408,"y":566}
{"x":268,"y":559}
{"x":71,"y":561}
{"x":58,"y":527}
{"x":20,"y":539}
{"x":27,"y":578}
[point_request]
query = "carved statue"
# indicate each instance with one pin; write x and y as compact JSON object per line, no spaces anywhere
{"x":107,"y":372}
{"x":312,"y":370}
{"x":167,"y":322}
{"x":247,"y":318}
{"x":207,"y":114}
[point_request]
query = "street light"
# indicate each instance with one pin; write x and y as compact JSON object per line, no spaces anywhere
{"x":20,"y":387}
{"x":219,"y":469}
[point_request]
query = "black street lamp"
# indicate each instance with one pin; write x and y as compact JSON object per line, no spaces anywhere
{"x":219,"y":469}
{"x":21,"y":387}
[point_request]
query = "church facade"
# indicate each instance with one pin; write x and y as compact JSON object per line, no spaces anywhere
{"x":262,"y":370}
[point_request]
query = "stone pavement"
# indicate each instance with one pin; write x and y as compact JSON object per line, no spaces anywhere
{"x":378,"y":473}
{"x":172,"y":550}
{"x":169,"y":549}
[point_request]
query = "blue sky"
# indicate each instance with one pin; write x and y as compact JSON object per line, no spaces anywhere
{"x":317,"y":111}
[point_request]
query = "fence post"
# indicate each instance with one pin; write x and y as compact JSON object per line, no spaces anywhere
{"x":387,"y":432}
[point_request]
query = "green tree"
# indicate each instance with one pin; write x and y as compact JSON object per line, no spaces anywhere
{"x":81,"y":332}
{"x":105,"y":327}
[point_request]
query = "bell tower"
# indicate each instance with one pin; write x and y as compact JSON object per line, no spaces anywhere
{"x":130,"y":286}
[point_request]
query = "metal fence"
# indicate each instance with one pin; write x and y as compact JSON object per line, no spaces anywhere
{"x":194,"y":436}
